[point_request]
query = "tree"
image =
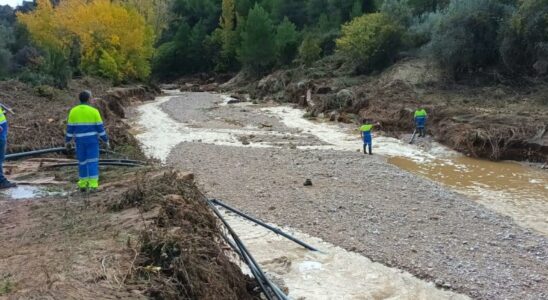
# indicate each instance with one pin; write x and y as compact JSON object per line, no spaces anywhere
{"x":107,"y":33}
{"x":524,"y":45}
{"x":258,"y":50}
{"x":229,"y":36}
{"x":357,"y":9}
{"x":310,"y":50}
{"x":465,"y":39}
{"x":371,"y":41}
{"x":287,"y":41}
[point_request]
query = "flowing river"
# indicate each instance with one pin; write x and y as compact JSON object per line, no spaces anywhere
{"x":511,"y":189}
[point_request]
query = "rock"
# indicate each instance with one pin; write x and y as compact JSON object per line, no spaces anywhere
{"x":323,"y":90}
{"x":308,"y":182}
{"x":345,"y":96}
{"x":185,"y":176}
{"x":541,"y":67}
{"x":333,"y":116}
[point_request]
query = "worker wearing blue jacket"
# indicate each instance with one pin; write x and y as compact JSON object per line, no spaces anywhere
{"x":4,"y":182}
{"x":85,"y":126}
{"x":420,"y":121}
{"x":365,"y":131}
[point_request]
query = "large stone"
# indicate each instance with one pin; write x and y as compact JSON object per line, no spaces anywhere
{"x":541,"y":67}
{"x":345,"y":96}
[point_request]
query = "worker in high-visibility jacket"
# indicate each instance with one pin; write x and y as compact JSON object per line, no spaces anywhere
{"x":4,"y":182}
{"x":365,"y":131}
{"x":420,"y":121}
{"x":85,"y":126}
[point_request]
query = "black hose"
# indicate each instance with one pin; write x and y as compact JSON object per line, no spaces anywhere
{"x":274,"y":229}
{"x":14,"y":156}
{"x":237,"y":250}
{"x":101,"y":163}
{"x":257,"y":273}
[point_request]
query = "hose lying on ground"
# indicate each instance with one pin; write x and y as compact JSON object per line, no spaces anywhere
{"x":263,"y":281}
{"x":101,"y":163}
{"x":14,"y":156}
{"x":271,"y":228}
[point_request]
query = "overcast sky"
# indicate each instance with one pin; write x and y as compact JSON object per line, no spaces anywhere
{"x":13,"y":3}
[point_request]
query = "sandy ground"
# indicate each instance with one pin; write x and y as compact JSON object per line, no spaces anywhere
{"x":360,"y":203}
{"x":65,"y":249}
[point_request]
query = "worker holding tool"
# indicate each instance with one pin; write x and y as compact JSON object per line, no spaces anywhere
{"x":420,"y":121}
{"x":367,"y":138}
{"x":4,"y":182}
{"x":85,"y":126}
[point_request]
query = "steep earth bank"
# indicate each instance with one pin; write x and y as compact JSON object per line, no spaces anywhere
{"x":499,"y":122}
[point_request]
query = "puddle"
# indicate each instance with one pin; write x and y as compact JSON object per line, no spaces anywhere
{"x":29,"y":192}
{"x":507,"y":187}
{"x":334,"y":274}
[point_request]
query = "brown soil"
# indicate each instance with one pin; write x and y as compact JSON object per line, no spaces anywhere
{"x":146,"y":234}
{"x":487,"y":121}
{"x":155,"y":239}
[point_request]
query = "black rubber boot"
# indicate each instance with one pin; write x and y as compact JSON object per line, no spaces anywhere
{"x":7,"y":185}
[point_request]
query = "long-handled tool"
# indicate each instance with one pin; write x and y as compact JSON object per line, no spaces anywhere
{"x":413,"y":137}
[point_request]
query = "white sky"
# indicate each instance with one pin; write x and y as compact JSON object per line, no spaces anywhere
{"x":12,"y":3}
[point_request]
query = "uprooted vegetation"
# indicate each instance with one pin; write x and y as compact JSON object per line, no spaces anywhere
{"x":491,"y":121}
{"x":148,"y":234}
{"x":41,"y":112}
{"x":181,"y":254}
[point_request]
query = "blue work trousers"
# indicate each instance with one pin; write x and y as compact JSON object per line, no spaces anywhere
{"x":3,"y":144}
{"x":88,"y":160}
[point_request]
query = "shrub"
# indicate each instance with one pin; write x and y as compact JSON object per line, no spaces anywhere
{"x":371,"y":41}
{"x":466,"y":37}
{"x":310,"y":50}
{"x":525,"y":38}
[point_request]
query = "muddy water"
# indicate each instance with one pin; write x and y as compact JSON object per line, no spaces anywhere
{"x":28,"y":192}
{"x":510,"y":188}
{"x":333,"y":274}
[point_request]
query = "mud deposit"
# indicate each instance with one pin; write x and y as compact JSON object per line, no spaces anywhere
{"x":257,"y":158}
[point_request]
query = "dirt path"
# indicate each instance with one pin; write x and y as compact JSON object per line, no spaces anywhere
{"x":362,"y":204}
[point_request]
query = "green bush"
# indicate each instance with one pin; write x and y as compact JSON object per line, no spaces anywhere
{"x":465,"y":38}
{"x":258,"y":50}
{"x":310,"y":50}
{"x":370,"y":41}
{"x":525,"y":38}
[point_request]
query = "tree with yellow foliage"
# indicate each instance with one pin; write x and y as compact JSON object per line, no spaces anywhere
{"x":115,"y":40}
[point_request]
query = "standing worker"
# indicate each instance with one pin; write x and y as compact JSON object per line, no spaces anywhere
{"x":420,"y":121}
{"x":365,"y":131}
{"x":85,"y":125}
{"x":4,"y":182}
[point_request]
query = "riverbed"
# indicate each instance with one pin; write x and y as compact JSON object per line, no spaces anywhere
{"x":258,"y":156}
